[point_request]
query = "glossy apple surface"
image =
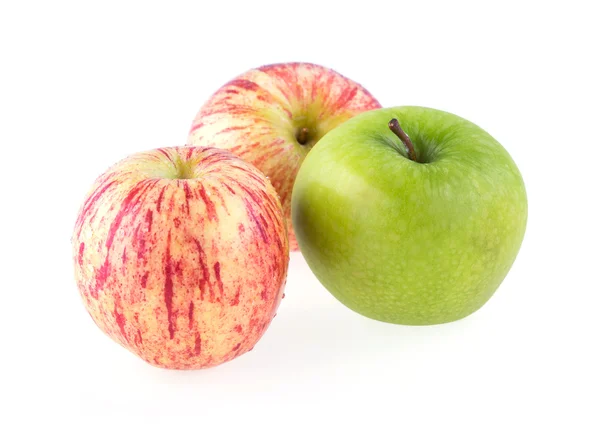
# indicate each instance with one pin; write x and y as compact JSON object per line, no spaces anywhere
{"x":410,"y":242}
{"x":181,"y":255}
{"x":273,"y":115}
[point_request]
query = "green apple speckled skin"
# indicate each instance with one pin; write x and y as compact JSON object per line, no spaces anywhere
{"x":408,"y":242}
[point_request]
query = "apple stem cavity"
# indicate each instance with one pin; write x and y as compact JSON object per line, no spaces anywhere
{"x":399,"y":132}
{"x":302,"y":136}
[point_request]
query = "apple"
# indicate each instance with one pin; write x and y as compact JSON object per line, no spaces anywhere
{"x":181,"y":255}
{"x":409,"y":215}
{"x":273,"y":115}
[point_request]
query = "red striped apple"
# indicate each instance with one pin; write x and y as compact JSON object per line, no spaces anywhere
{"x":273,"y":115}
{"x":181,"y":255}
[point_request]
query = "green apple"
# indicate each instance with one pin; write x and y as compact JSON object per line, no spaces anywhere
{"x":409,"y":215}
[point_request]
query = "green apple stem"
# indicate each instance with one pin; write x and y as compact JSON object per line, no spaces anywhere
{"x":302,"y":136}
{"x":396,"y":129}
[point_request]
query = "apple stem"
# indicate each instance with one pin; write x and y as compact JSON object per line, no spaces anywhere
{"x":396,"y":129}
{"x":302,"y":136}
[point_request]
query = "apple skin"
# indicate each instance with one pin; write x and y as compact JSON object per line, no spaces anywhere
{"x":181,"y":255}
{"x":259,"y":114}
{"x":408,"y":242}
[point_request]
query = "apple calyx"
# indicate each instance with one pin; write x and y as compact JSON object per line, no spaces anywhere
{"x":394,"y":126}
{"x":302,"y":136}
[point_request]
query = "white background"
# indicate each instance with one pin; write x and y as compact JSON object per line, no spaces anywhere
{"x":84,"y":84}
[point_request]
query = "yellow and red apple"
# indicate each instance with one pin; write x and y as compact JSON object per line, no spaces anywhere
{"x":272,"y":116}
{"x":181,"y":255}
